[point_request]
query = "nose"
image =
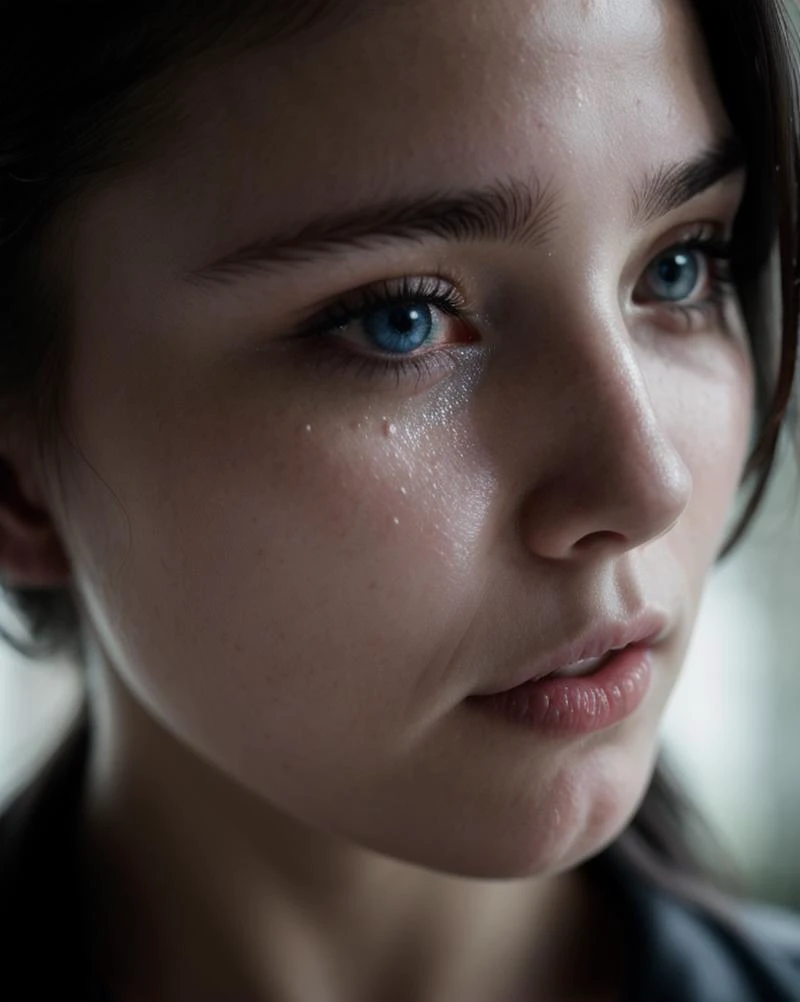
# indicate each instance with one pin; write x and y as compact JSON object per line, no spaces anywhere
{"x":613,"y":478}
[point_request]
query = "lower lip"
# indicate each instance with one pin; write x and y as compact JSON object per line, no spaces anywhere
{"x":579,"y":705}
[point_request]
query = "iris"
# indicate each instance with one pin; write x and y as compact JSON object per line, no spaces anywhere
{"x":674,"y":275}
{"x":400,"y":327}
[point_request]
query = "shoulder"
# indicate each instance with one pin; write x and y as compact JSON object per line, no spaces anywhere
{"x":685,"y":948}
{"x":43,"y":948}
{"x":741,"y":953}
{"x":776,"y":932}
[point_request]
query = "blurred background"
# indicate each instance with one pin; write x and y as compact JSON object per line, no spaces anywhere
{"x":732,"y":728}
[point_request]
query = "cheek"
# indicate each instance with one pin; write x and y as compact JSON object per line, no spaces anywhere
{"x":711,"y":416}
{"x":252,"y":564}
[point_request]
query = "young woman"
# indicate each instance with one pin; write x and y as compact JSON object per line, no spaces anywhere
{"x":380,"y":382}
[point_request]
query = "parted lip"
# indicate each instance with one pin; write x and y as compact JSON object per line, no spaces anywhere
{"x":596,"y":641}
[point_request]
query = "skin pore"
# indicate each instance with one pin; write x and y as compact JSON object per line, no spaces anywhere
{"x":299,"y":555}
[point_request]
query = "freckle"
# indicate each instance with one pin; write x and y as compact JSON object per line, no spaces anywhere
{"x":385,"y":427}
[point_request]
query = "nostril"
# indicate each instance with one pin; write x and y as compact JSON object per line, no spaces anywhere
{"x":601,"y":539}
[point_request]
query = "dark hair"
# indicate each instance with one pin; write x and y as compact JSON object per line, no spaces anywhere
{"x":753,"y":48}
{"x":84,"y":91}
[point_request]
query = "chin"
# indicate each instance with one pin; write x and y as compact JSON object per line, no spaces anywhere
{"x":563,"y":821}
{"x":592,"y":810}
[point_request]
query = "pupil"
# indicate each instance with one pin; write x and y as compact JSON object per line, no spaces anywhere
{"x":670,"y":269}
{"x":403,"y":318}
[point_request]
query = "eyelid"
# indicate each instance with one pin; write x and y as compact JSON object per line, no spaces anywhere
{"x":435,"y":289}
{"x":697,"y":233}
{"x":706,"y":230}
{"x":326,"y":333}
{"x":705,"y":309}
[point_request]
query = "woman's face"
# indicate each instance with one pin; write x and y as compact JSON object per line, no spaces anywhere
{"x":307,"y":527}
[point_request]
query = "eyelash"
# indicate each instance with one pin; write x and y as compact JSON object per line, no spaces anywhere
{"x":721,"y":257}
{"x":434,"y":291}
{"x":442,"y":295}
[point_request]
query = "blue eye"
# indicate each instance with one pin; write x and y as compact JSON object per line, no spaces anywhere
{"x":675,"y":275}
{"x":400,"y":325}
{"x":398,"y":328}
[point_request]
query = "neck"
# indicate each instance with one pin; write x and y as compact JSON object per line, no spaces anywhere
{"x":227,"y":897}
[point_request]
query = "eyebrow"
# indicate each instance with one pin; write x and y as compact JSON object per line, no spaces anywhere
{"x":506,"y":212}
{"x":672,"y":185}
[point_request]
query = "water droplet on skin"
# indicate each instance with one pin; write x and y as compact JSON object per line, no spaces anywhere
{"x":404,"y":491}
{"x":308,"y":427}
{"x":392,"y":429}
{"x":396,"y":520}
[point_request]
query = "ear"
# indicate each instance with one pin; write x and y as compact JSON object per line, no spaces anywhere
{"x":31,"y":554}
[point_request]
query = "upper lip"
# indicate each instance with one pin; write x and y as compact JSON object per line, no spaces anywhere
{"x":597,"y":640}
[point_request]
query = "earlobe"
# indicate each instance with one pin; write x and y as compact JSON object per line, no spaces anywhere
{"x":31,"y":554}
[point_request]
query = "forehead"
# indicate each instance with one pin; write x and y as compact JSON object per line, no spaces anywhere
{"x":404,"y":48}
{"x":403,"y":97}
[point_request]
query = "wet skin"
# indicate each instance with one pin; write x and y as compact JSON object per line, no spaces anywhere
{"x":300,"y":553}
